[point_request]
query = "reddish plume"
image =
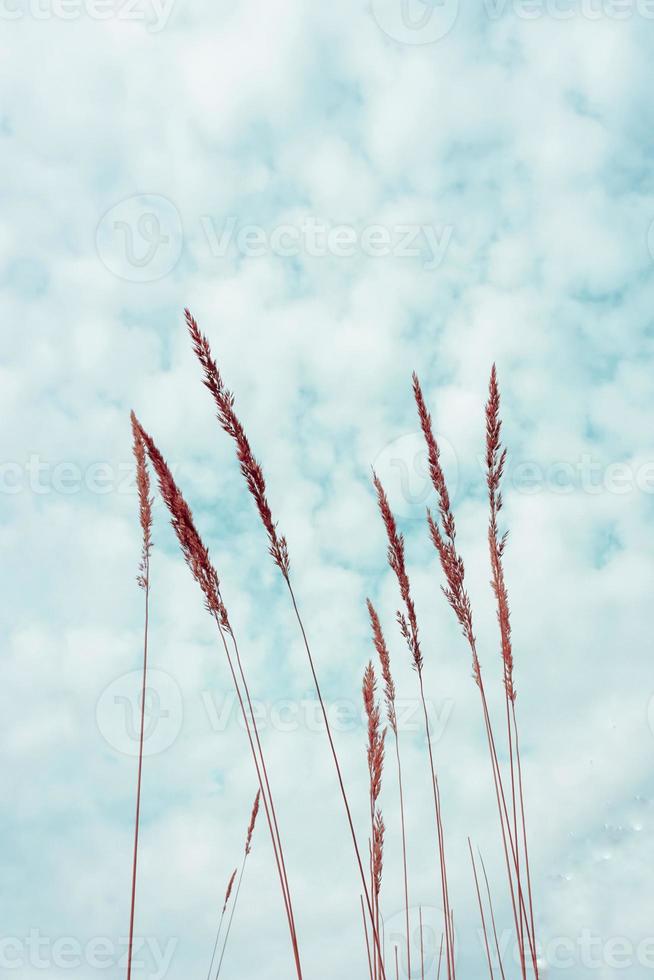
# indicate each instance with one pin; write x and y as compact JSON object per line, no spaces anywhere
{"x":495,"y":462}
{"x":253,"y":820}
{"x":250,"y":468}
{"x":396,"y":560}
{"x":378,"y":851}
{"x":230,"y":885}
{"x":376,"y":737}
{"x":145,"y":503}
{"x":195,"y":552}
{"x":385,"y":661}
{"x":444,"y":542}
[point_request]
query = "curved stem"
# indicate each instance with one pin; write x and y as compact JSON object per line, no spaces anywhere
{"x":339,"y":774}
{"x":215,"y":945}
{"x":404,"y":861}
{"x":449,"y":951}
{"x":140,"y":770}
{"x":231,"y":916}
{"x":264,"y":770}
{"x":264,"y":796}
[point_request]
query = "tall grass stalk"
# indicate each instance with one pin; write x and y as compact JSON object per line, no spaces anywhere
{"x":389,"y":698}
{"x":143,"y":579}
{"x":197,"y":558}
{"x":481,"y":912}
{"x":443,"y":534}
{"x":246,"y":852}
{"x":278,"y":549}
{"x":408,"y":622}
{"x":228,"y":892}
{"x":492,"y":915}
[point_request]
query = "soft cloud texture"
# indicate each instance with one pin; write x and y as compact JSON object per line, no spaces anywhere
{"x":137,"y":150}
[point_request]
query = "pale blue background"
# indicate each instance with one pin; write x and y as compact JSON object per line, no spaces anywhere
{"x":128,"y":145}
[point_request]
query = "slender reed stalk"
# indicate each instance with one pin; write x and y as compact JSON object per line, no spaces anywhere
{"x":492,"y":914}
{"x":481,"y":911}
{"x":422,"y":949}
{"x":408,"y":623}
{"x":495,"y":463}
{"x":375,"y":756}
{"x":143,"y":579}
{"x":246,"y":852}
{"x":228,"y":892}
{"x":455,"y":592}
{"x":389,"y":697}
{"x":197,"y":558}
{"x":278,"y":548}
{"x":365,"y":932}
{"x":378,"y":832}
{"x":440,"y":959}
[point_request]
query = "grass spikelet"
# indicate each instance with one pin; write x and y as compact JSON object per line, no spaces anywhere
{"x":389,"y":698}
{"x":246,"y":852}
{"x":196,"y":555}
{"x":444,"y":540}
{"x":278,"y":548}
{"x":408,"y":623}
{"x":143,"y":579}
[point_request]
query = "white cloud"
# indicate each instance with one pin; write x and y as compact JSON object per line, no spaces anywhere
{"x":528,"y":139}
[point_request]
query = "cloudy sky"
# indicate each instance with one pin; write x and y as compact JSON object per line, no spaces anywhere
{"x":342,"y":193}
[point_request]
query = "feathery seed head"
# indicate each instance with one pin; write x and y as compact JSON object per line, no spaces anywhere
{"x":378,"y":850}
{"x":396,"y":560}
{"x":253,"y":820}
{"x":230,"y":885}
{"x":195,"y":553}
{"x":228,"y":419}
{"x":145,"y":503}
{"x":495,"y":463}
{"x":385,"y":661}
{"x":376,"y":737}
{"x":445,"y":540}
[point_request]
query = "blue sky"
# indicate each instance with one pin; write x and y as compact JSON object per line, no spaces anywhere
{"x":341,"y":194}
